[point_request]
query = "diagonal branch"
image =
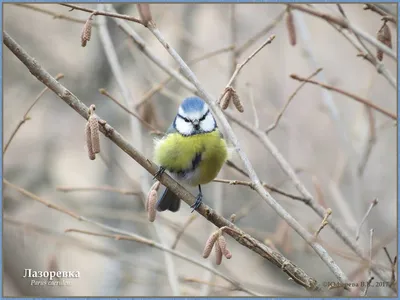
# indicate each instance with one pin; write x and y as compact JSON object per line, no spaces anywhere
{"x":353,"y":96}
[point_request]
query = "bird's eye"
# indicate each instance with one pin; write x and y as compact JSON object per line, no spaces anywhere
{"x":183,"y":118}
{"x":204,"y":116}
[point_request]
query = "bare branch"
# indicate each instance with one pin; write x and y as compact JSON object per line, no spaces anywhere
{"x":280,"y":114}
{"x":25,"y":116}
{"x":102,"y":13}
{"x":67,"y":189}
{"x":353,"y":96}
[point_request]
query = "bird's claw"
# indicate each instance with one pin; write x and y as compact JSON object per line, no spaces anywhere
{"x":198,"y":202}
{"x":160,"y":171}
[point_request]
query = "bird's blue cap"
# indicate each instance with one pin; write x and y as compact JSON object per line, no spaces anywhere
{"x":192,"y":104}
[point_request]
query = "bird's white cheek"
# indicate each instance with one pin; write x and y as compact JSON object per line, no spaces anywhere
{"x":183,"y":127}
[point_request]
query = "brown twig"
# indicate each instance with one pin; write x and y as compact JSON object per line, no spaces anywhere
{"x":371,"y":141}
{"x":51,"y":13}
{"x":353,"y":96}
{"x":240,"y":66}
{"x":102,"y":13}
{"x":297,"y":274}
{"x":249,"y":184}
{"x":373,"y":203}
{"x":253,"y":106}
{"x":324,"y":222}
{"x":25,"y":116}
{"x":280,"y":114}
{"x":67,"y":189}
{"x":149,"y":126}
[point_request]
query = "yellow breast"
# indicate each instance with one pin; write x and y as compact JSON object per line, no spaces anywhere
{"x":177,"y":153}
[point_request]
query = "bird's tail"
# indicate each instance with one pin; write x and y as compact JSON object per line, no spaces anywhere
{"x":168,"y":201}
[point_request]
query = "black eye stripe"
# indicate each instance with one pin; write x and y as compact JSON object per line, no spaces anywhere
{"x":183,"y":118}
{"x":204,"y":116}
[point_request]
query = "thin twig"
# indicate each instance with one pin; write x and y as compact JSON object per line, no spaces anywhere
{"x":239,"y":50}
{"x":149,"y":126}
{"x":373,"y":203}
{"x":370,"y":143}
{"x":240,"y":66}
{"x":297,"y":274}
{"x":324,"y":222}
{"x":102,"y":13}
{"x":353,"y":96}
{"x":280,"y":114}
{"x":68,"y":189}
{"x":233,"y":36}
{"x":25,"y":116}
{"x":249,"y":184}
{"x":51,"y":13}
{"x":155,"y":89}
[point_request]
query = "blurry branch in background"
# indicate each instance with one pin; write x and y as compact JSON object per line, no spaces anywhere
{"x":280,"y":114}
{"x":350,"y":95}
{"x":67,"y":189}
{"x":344,"y":23}
{"x":233,"y":39}
{"x":253,"y":105}
{"x":372,"y":204}
{"x":149,"y":126}
{"x":25,"y":116}
{"x":297,"y":274}
{"x":240,"y":49}
{"x":102,"y":13}
{"x":121,"y":234}
{"x":51,"y":13}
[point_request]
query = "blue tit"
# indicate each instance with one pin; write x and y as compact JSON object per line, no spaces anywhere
{"x":193,"y":151}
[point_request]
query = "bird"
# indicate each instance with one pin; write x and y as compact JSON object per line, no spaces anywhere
{"x":192,"y":151}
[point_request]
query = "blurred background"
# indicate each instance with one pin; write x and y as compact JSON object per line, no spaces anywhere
{"x":344,"y":153}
